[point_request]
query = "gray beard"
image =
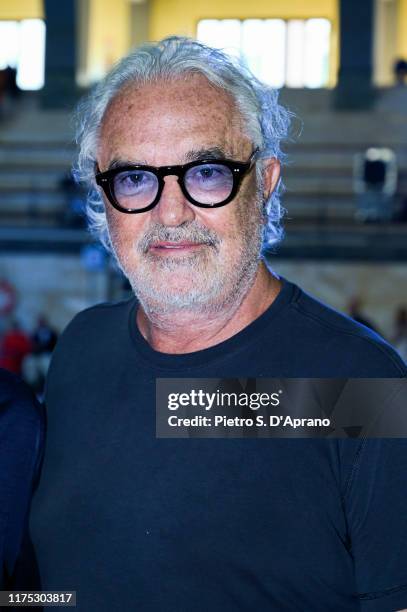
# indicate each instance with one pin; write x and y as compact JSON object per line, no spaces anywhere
{"x":209,"y":296}
{"x":212,"y":288}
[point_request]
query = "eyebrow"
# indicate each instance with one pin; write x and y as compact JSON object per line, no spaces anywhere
{"x":211,"y":153}
{"x":120,"y":163}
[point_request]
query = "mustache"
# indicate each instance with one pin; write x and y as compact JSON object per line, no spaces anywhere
{"x":188,"y":232}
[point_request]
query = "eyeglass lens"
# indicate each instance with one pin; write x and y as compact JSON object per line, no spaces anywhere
{"x":209,"y":183}
{"x":135,"y":188}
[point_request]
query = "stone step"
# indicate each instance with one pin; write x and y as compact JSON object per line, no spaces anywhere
{"x":322,"y":185}
{"x":308,"y":208}
{"x":28,"y":221}
{"x":333,"y":161}
{"x":350,"y":129}
{"x":40,"y":181}
{"x":21,"y":200}
{"x":304,"y":173}
{"x":32,"y":159}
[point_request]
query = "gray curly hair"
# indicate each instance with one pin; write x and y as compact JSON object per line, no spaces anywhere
{"x":267,"y":122}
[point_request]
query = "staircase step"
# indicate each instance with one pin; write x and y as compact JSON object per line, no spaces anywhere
{"x":17,"y":181}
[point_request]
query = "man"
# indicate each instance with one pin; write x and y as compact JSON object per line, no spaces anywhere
{"x":182,"y":148}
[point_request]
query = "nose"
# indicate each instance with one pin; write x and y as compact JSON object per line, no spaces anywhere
{"x":173,"y":208}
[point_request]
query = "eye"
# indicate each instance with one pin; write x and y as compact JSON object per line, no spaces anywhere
{"x":209,"y":183}
{"x":208,"y":174}
{"x":134,"y":182}
{"x":135,"y":177}
{"x":212,"y":172}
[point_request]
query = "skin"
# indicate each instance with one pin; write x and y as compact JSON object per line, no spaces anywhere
{"x":200,"y":280}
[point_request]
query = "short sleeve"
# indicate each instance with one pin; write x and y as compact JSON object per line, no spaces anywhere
{"x":376,"y":509}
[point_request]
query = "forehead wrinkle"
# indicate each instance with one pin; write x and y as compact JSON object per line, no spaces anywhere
{"x":144,"y":97}
{"x":202,"y":110}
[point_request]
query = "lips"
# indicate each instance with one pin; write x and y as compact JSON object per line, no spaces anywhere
{"x":174,"y":245}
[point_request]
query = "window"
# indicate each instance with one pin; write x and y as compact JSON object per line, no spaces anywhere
{"x":22,"y":46}
{"x":292,"y":53}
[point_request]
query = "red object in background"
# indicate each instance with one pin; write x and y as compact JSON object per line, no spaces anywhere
{"x":14,"y":347}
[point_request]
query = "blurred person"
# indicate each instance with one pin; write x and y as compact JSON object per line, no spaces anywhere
{"x":394,"y":99}
{"x":14,"y":348}
{"x":3,"y":91}
{"x":181,"y":147}
{"x":11,"y":80}
{"x":9,"y":91}
{"x":400,"y":72}
{"x":44,"y":337}
{"x":21,"y":446}
{"x":36,"y":364}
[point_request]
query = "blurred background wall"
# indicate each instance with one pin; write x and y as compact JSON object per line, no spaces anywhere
{"x":341,"y":68}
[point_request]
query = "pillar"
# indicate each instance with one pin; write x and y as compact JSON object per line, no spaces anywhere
{"x":355,"y":88}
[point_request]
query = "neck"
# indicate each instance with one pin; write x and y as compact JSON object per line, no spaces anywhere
{"x":189,"y":331}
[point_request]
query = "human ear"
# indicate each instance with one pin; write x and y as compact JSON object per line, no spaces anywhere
{"x":271,"y":175}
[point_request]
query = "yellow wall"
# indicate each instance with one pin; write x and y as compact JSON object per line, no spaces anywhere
{"x":108,"y":35}
{"x":402,"y":29}
{"x":108,"y":28}
{"x":181,"y":16}
{"x":21,"y":9}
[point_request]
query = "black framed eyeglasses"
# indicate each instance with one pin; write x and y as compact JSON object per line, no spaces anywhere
{"x":208,"y":183}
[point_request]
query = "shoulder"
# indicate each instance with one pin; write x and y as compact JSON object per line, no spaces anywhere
{"x":90,"y":342}
{"x":333,"y":337}
{"x":97,"y":324}
{"x":101,"y":312}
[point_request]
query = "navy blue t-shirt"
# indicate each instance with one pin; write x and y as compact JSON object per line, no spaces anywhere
{"x":132,"y":522}
{"x":21,"y":441}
